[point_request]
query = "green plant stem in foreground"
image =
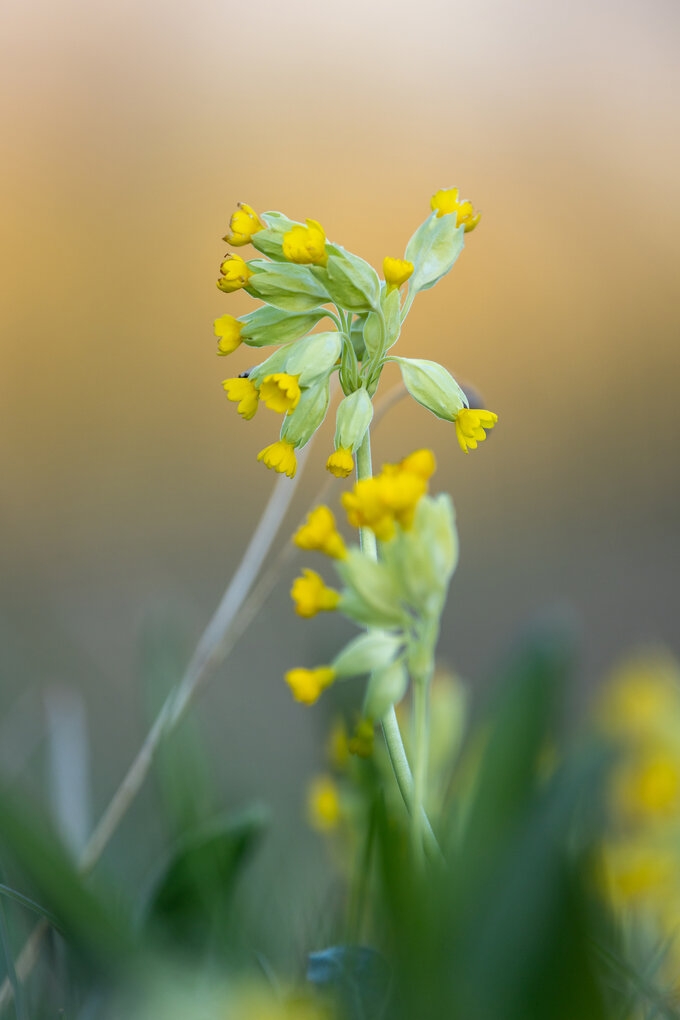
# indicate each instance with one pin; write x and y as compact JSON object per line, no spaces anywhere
{"x":413,"y":798}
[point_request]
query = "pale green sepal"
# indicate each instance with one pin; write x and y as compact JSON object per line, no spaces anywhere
{"x":349,"y":367}
{"x":269,"y":243}
{"x":354,"y":415}
{"x":367,"y":652}
{"x":373,"y":334}
{"x":386,"y":687}
{"x":391,"y":306}
{"x":286,"y":285}
{"x":275,"y":363}
{"x":432,"y":386}
{"x":277,"y":222}
{"x":357,"y":337}
{"x":423,"y":558}
{"x":351,"y":282}
{"x":300,"y":425}
{"x":314,"y":356}
{"x":372,"y":596}
{"x":433,"y":249}
{"x":267,"y":326}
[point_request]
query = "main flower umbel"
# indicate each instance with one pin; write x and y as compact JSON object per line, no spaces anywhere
{"x":303,"y":278}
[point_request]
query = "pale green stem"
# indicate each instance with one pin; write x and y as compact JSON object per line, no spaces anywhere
{"x":421,"y":728}
{"x":389,"y":723}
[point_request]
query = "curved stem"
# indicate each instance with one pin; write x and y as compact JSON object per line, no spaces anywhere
{"x":389,"y":723}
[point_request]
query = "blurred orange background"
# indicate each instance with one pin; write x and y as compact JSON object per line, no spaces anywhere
{"x":129,"y":485}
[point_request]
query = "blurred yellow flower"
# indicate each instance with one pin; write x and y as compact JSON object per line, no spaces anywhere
{"x":311,"y":595}
{"x":470,"y":426}
{"x":280,"y":392}
{"x":635,"y":872}
{"x":235,"y":274}
{"x":337,"y":747}
{"x":280,"y":456}
{"x":393,"y":495}
{"x":307,"y":684}
{"x":244,"y":391}
{"x":243,"y":224}
{"x":647,"y":785}
{"x":306,"y":245}
{"x":319,"y":534}
{"x":446,"y":201}
{"x":228,"y":333}
{"x":361,"y":741}
{"x":420,"y":462}
{"x":340,"y":463}
{"x":396,"y":272}
{"x":365,"y":508}
{"x":642,"y":697}
{"x":323,"y":804}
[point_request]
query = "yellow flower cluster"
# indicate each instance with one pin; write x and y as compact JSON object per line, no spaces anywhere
{"x":446,"y":201}
{"x":391,"y":497}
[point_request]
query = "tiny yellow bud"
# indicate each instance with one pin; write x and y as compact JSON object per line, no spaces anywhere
{"x":361,"y":743}
{"x":323,"y":804}
{"x":228,"y":333}
{"x":307,"y":684}
{"x":243,"y":224}
{"x":280,"y":392}
{"x":243,"y":391}
{"x":396,"y":272}
{"x":306,"y":245}
{"x":446,"y":201}
{"x":311,"y":595}
{"x":470,"y":426}
{"x":280,"y":456}
{"x":235,"y":274}
{"x":319,"y":534}
{"x":340,"y":463}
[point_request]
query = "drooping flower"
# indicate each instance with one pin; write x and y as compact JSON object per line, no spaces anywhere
{"x":323,"y":804}
{"x":243,"y":224}
{"x":280,"y":392}
{"x":228,"y":333}
{"x":235,"y":274}
{"x":308,"y":684}
{"x":280,"y":456}
{"x":306,"y":245}
{"x":319,"y":534}
{"x":396,"y":272}
{"x":470,"y":426}
{"x":243,"y":391}
{"x":446,"y":201}
{"x":311,"y":595}
{"x":340,"y":463}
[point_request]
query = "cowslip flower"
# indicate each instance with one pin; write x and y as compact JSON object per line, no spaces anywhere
{"x":365,"y":508}
{"x":392,"y":496}
{"x":319,"y":534}
{"x":311,"y":595}
{"x":401,"y":493}
{"x":420,"y":462}
{"x":470,"y":426}
{"x":446,"y":201}
{"x":396,"y":272}
{"x":280,"y":392}
{"x":280,"y":456}
{"x":242,"y":390}
{"x":648,"y":786}
{"x":243,"y":224}
{"x":228,"y":333}
{"x":340,"y":463}
{"x":323,"y":804}
{"x":308,"y":684}
{"x":306,"y":245}
{"x":235,"y":274}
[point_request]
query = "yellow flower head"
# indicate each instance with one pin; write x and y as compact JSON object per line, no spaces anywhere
{"x":401,"y":494}
{"x":337,"y":747}
{"x":361,"y":742}
{"x":323,"y":804}
{"x":340,"y":463}
{"x":243,"y":224}
{"x":280,"y":392}
{"x":306,"y":245}
{"x":311,"y":595}
{"x":319,"y":534}
{"x":637,"y":873}
{"x":641,"y":697}
{"x":243,"y":391}
{"x":235,"y":274}
{"x":228,"y":333}
{"x":396,"y":272}
{"x":366,"y":508}
{"x":280,"y":456}
{"x":307,"y":684}
{"x":470,"y":426}
{"x":421,"y":463}
{"x":648,"y":785}
{"x":446,"y":201}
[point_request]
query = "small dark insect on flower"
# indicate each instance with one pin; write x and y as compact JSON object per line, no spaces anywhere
{"x":246,"y":374}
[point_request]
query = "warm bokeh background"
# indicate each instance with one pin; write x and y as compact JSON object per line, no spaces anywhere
{"x":129,"y":485}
